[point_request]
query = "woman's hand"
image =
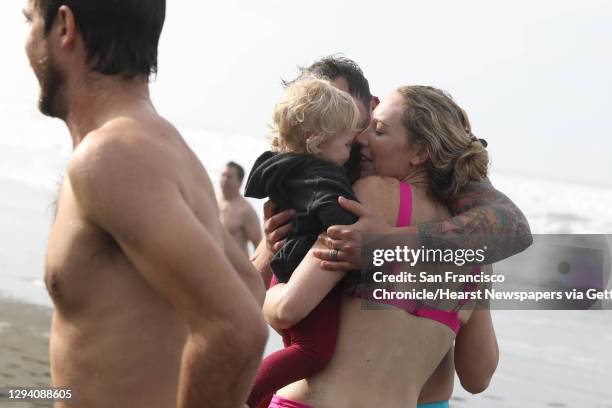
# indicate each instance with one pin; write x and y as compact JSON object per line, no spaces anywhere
{"x":344,"y":241}
{"x":276,"y":226}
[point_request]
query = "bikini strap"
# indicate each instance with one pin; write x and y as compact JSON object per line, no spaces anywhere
{"x":404,"y":215}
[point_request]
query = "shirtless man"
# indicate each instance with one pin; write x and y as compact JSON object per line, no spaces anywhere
{"x":480,"y":213}
{"x":237,"y":215}
{"x":155,"y":306}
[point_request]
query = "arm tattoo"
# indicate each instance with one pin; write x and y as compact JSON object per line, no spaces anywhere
{"x":483,"y":217}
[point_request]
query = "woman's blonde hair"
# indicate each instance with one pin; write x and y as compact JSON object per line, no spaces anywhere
{"x":456,"y":156}
{"x":311,"y":112}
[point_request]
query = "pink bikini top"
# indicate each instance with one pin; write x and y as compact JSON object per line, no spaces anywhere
{"x":448,"y":318}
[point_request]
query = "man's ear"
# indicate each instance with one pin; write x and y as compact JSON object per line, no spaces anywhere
{"x":66,"y":27}
{"x":421,"y":155}
{"x":374,"y":102}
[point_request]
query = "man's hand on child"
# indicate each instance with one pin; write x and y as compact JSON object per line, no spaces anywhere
{"x":276,"y":226}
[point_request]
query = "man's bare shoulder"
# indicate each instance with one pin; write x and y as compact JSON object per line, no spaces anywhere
{"x":244,"y":204}
{"x":247,"y":209}
{"x":124,"y":154}
{"x":241,"y":208}
{"x":124,"y":138}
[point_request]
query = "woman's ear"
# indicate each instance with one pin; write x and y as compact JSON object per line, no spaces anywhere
{"x":421,"y":156}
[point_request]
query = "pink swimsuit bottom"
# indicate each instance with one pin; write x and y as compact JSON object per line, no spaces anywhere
{"x":280,"y":402}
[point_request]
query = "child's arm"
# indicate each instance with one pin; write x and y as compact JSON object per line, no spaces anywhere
{"x":309,"y":347}
{"x":288,"y":303}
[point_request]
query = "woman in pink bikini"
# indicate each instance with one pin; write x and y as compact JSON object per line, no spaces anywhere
{"x":419,"y":152}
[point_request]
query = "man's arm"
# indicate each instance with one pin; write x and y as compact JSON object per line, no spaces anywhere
{"x":128,"y":188}
{"x":476,"y":352}
{"x":276,"y":228}
{"x":260,"y":259}
{"x":249,"y":275}
{"x":483,"y":217}
{"x":486,"y":217}
{"x":252,"y":228}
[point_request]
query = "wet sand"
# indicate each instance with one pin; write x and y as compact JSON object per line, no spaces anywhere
{"x":548,"y":359}
{"x":24,"y":349}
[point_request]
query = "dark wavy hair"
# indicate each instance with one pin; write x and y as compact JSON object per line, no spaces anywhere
{"x":121,"y":36}
{"x":239,"y":170}
{"x":338,"y":66}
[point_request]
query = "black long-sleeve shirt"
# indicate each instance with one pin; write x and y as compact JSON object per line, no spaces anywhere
{"x":310,"y":186}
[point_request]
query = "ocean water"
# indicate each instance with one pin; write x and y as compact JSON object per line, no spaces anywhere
{"x":34,"y":153}
{"x":548,"y":359}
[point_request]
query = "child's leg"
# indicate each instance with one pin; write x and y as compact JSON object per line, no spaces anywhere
{"x":313,"y":341}
{"x":315,"y":336}
{"x":266,"y":402}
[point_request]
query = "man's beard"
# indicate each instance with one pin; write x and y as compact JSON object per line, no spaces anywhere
{"x":51,"y":102}
{"x":366,"y":168}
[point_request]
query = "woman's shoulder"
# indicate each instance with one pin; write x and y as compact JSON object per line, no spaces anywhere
{"x":375,"y":183}
{"x":380,"y":194}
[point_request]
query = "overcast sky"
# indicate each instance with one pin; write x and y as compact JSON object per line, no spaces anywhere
{"x":534,"y":76}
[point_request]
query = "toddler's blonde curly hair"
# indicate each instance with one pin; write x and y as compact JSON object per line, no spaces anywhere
{"x":311,"y":112}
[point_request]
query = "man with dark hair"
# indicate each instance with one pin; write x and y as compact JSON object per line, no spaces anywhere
{"x":124,"y":45}
{"x":237,"y":215}
{"x":239,"y":170}
{"x":481,"y":211}
{"x":155,"y":305}
{"x":346,"y":75}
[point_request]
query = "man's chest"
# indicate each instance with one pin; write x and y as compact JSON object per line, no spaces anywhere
{"x":231,"y":216}
{"x":77,"y":253}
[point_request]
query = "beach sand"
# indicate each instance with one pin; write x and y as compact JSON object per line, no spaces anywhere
{"x":24,"y":349}
{"x":548,"y":359}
